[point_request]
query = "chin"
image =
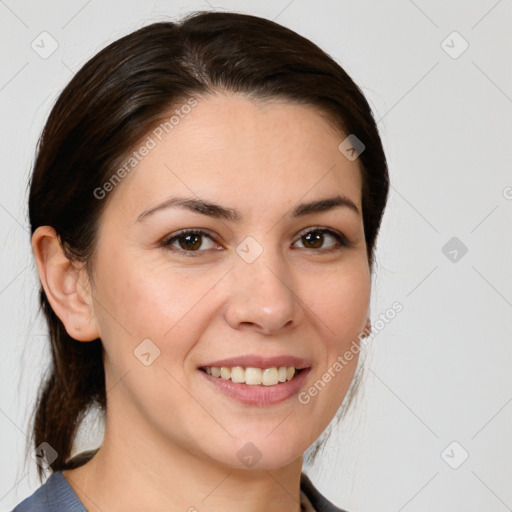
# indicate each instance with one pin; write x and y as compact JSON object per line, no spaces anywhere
{"x":265,"y":452}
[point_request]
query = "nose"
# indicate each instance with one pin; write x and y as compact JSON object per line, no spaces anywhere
{"x":263,"y":295}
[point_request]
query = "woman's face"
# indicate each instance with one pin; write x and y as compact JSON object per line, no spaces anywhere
{"x":265,"y":284}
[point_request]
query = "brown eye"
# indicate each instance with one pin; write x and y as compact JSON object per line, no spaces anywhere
{"x":189,"y":241}
{"x":315,"y":239}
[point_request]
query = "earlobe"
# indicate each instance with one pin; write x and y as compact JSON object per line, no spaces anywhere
{"x":66,"y":287}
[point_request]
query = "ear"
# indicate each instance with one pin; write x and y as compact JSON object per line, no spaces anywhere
{"x":67,"y":288}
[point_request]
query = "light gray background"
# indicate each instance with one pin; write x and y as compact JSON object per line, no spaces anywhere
{"x":440,"y":371}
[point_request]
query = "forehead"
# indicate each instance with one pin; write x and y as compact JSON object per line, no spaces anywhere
{"x":237,"y":151}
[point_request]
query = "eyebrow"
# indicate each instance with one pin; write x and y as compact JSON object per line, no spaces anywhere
{"x":221,"y":212}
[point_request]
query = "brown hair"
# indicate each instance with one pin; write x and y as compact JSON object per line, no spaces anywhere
{"x":115,"y":99}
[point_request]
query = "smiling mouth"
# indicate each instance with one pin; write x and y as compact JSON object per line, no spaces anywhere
{"x":252,"y":376}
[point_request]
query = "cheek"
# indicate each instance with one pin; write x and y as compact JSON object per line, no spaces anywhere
{"x":142,"y":299}
{"x":341,"y":300}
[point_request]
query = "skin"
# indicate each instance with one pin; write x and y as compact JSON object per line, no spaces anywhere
{"x":171,"y":438}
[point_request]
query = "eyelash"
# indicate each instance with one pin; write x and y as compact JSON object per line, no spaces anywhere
{"x":341,"y":239}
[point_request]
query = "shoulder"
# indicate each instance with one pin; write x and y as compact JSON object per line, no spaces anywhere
{"x":55,"y":495}
{"x":317,"y":500}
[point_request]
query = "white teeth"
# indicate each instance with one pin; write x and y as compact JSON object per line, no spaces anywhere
{"x":253,"y":376}
{"x":270,"y":376}
{"x":237,"y":374}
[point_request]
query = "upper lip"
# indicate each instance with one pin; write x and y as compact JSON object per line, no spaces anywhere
{"x":256,"y":361}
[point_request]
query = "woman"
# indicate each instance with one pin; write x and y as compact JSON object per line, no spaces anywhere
{"x":204,"y":208}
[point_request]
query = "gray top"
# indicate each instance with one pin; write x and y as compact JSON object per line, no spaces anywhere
{"x":56,"y":495}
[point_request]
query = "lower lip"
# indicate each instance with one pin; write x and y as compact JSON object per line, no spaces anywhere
{"x":259,"y":395}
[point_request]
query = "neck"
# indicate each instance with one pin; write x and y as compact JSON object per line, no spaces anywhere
{"x":160,"y":475}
